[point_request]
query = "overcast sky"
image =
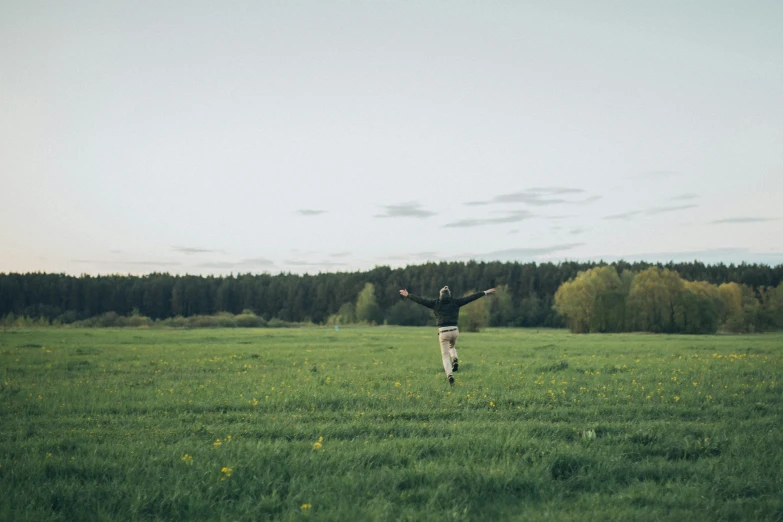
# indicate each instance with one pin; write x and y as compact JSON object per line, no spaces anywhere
{"x":218,"y":137}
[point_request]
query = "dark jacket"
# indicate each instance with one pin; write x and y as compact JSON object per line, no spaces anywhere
{"x":446,"y":309}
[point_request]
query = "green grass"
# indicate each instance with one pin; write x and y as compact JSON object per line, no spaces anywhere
{"x":541,"y":425}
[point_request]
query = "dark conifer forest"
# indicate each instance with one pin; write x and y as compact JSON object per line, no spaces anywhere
{"x":293,"y":298}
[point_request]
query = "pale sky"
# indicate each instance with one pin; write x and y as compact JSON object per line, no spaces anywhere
{"x":251,"y":136}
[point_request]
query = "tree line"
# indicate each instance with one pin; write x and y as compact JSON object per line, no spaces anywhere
{"x":527,"y":297}
{"x":656,"y":299}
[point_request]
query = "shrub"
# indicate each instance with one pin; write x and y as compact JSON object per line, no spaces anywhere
{"x":248,"y":319}
{"x":135,"y":321}
{"x":211,"y":321}
{"x":175,"y":322}
{"x":276,"y":322}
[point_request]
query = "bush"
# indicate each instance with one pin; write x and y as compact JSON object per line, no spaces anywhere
{"x":174,"y":322}
{"x":248,"y":319}
{"x":108,"y":319}
{"x":114,"y":320}
{"x":136,"y":321}
{"x":68,"y":317}
{"x":226,"y":320}
{"x":276,"y":322}
{"x":223,"y":319}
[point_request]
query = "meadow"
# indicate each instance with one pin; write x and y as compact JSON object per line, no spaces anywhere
{"x":360,"y":424}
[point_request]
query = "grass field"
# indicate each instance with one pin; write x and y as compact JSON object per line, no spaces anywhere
{"x":360,"y":424}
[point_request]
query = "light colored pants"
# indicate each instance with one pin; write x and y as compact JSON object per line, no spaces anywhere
{"x":448,"y":347}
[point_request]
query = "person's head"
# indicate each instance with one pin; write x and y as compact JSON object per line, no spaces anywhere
{"x":445,"y":292}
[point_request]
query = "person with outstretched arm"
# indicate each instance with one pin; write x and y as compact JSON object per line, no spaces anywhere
{"x":446,"y":309}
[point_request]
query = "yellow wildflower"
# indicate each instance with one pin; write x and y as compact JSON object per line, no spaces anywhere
{"x":186,"y":458}
{"x":306,"y":506}
{"x":217,"y":443}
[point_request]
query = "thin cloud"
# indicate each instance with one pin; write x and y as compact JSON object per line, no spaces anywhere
{"x":624,"y":215}
{"x":528,"y":198}
{"x":663,"y":210}
{"x":649,"y":212}
{"x":556,"y":190}
{"x":512,"y":217}
{"x":517,"y":253}
{"x":576,"y":231}
{"x":743,"y":220}
{"x":537,"y":197}
{"x":122,"y":263}
{"x":310,"y":212}
{"x":244,"y":263}
{"x":585,"y":201}
{"x":409,"y":209}
{"x":310,"y":263}
{"x":340,"y":254}
{"x":425,"y":255}
{"x":220,"y":264}
{"x":153,"y":263}
{"x":420,"y":256}
{"x":257,"y":261}
{"x":193,"y":250}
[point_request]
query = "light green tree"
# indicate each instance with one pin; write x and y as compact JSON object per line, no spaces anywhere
{"x":9,"y":321}
{"x":774,"y":305}
{"x":594,"y":301}
{"x":502,"y":307}
{"x":367,"y":309}
{"x":731,"y":317}
{"x":572,"y":301}
{"x":346,"y":314}
{"x":475,"y":315}
{"x":654,"y":299}
{"x":699,"y":308}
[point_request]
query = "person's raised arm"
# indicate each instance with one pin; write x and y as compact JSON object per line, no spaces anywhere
{"x":462,"y":301}
{"x":429,"y":303}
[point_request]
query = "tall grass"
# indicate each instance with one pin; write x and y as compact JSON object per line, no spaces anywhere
{"x":360,"y":424}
